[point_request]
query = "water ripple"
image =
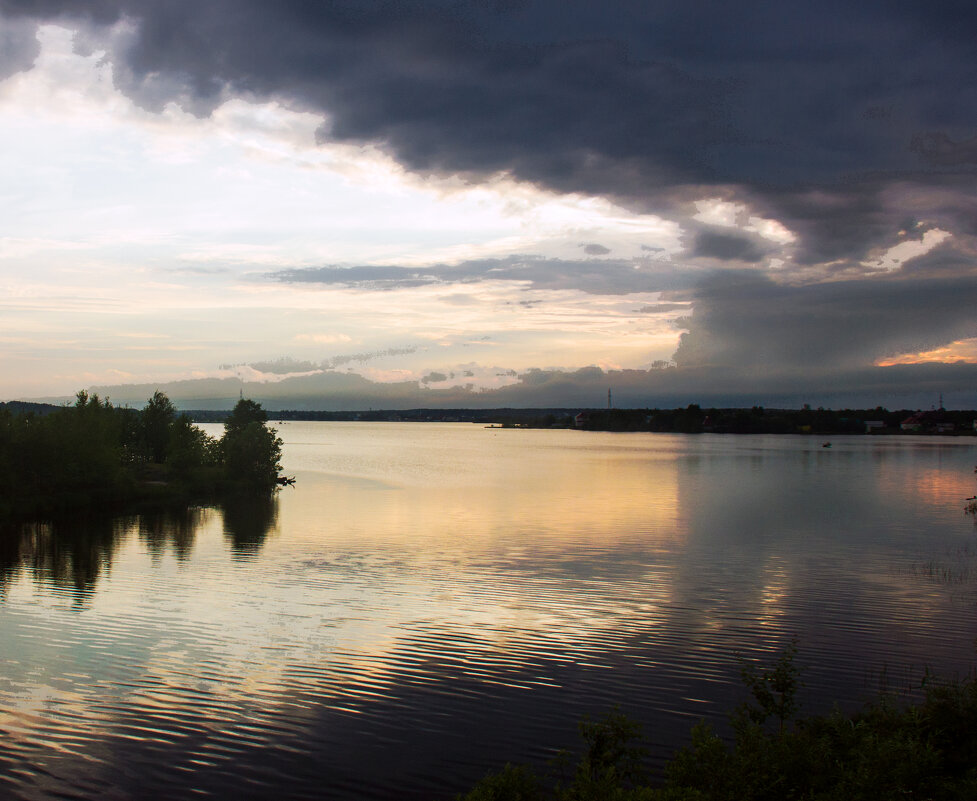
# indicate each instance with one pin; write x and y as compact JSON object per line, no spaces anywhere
{"x":400,"y":634}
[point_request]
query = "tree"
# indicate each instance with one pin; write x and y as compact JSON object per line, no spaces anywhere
{"x":774,"y":689}
{"x":251,"y":449}
{"x":189,"y":447}
{"x":157,"y":417}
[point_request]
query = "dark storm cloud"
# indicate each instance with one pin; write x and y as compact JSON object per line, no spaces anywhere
{"x":746,"y":320}
{"x":937,"y":148}
{"x":809,"y":111}
{"x":727,"y":247}
{"x":852,"y":124}
{"x":671,"y":386}
{"x":595,"y":276}
{"x":838,"y":226}
{"x":631,"y":99}
{"x":18,"y":47}
{"x":954,"y":258}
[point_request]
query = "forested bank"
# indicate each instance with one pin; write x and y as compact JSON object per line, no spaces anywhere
{"x":93,"y":455}
{"x":691,"y":419}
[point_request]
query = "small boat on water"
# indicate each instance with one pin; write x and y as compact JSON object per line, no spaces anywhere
{"x":825,"y":444}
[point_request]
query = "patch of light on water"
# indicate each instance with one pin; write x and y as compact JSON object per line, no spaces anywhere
{"x":437,"y":592}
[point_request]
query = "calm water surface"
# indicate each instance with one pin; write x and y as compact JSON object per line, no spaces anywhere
{"x":430,"y":601}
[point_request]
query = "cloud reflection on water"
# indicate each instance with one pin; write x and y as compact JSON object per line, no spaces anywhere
{"x":479,"y":601}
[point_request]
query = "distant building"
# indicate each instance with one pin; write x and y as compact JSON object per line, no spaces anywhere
{"x":913,"y":423}
{"x":581,"y":420}
{"x":873,"y":425}
{"x":933,"y":421}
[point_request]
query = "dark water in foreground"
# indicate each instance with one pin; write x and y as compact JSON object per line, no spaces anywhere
{"x":430,"y":601}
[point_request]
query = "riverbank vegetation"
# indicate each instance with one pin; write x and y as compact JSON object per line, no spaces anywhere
{"x":690,"y":419}
{"x":93,"y":455}
{"x":694,"y":419}
{"x":889,"y":749}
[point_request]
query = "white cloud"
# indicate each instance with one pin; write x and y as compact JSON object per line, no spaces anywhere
{"x":135,"y":242}
{"x":894,"y":257}
{"x":727,"y":214}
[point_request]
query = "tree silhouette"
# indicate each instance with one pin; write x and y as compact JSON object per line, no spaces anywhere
{"x":251,"y":449}
{"x":157,"y":417}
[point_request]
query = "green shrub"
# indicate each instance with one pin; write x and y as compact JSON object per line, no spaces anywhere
{"x":888,"y":750}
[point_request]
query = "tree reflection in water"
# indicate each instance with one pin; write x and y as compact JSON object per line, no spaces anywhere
{"x":248,"y":519}
{"x":174,"y":528}
{"x":71,"y":554}
{"x":10,"y":550}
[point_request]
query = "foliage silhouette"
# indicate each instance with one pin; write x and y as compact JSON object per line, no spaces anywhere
{"x":93,"y":455}
{"x":886,"y":750}
{"x":774,"y":689}
{"x":250,"y":449}
{"x":157,"y":418}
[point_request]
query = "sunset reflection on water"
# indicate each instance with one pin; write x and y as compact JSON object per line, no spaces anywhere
{"x":458,"y":597}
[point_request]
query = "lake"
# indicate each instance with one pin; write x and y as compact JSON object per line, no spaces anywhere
{"x":430,"y":601}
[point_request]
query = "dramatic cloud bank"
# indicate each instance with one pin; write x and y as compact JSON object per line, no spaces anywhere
{"x":904,"y":386}
{"x":790,"y":185}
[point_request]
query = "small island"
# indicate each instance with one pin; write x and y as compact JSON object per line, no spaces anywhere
{"x":95,"y":456}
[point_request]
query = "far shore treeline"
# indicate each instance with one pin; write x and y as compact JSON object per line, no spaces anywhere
{"x":691,"y":419}
{"x":93,"y":455}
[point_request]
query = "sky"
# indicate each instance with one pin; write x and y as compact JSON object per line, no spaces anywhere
{"x":504,"y":202}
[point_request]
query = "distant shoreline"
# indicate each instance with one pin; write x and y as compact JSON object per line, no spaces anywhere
{"x":689,"y":420}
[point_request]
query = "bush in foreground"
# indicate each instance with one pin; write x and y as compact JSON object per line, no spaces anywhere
{"x":926,"y":750}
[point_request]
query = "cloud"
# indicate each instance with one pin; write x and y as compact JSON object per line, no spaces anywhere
{"x":746,"y":320}
{"x":289,"y":367}
{"x":808,"y":111}
{"x":664,"y":308}
{"x":18,"y":46}
{"x":282,"y":366}
{"x":820,"y":154}
{"x":938,"y":149}
{"x":900,"y":386}
{"x":594,"y":276}
{"x":361,"y":358}
{"x":727,"y":247}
